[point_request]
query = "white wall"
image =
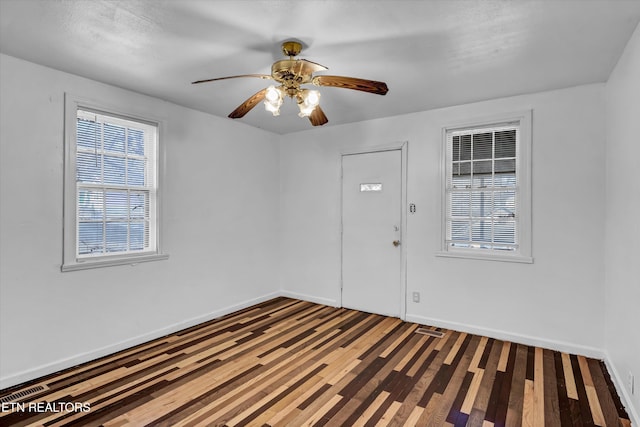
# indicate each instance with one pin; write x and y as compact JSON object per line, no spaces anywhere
{"x":622,"y":260}
{"x":554,"y":302}
{"x":221,"y":207}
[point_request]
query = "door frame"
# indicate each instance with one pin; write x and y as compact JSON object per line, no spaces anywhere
{"x":403,"y":147}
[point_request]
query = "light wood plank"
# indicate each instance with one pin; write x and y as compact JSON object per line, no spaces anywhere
{"x":467,"y":404}
{"x":454,"y":350}
{"x":389,"y":414}
{"x":368,"y":413}
{"x":527,"y":409}
{"x":397,"y":342}
{"x":538,"y":389}
{"x":415,"y":415}
{"x":596,"y":410}
{"x":569,"y":380}
{"x":473,"y":366}
{"x":504,"y":356}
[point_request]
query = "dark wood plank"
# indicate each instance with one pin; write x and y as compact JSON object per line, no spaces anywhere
{"x":505,"y":391}
{"x":564,"y":407}
{"x":460,"y":365}
{"x":481,"y":403}
{"x":609,"y":409}
{"x":551,"y":399}
{"x":622,"y":413}
{"x":516,"y":393}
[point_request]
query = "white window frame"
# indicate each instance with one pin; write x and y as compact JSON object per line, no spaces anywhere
{"x":71,"y":259}
{"x":523,"y":253}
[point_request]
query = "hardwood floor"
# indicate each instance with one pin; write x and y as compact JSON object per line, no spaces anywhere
{"x":288,"y":362}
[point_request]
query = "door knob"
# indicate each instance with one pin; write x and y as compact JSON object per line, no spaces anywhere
{"x":396,"y":243}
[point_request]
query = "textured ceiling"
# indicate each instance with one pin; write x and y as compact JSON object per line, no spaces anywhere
{"x":430,"y":53}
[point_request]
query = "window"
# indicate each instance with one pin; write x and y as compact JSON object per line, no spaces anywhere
{"x":487,"y":190}
{"x":111,"y":184}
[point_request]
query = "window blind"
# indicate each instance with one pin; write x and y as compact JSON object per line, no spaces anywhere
{"x":482,"y":188}
{"x":116,"y":185}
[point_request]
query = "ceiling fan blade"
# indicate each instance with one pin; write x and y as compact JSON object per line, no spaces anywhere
{"x":260,"y":76}
{"x":317,"y":117}
{"x":363,"y":85}
{"x":247,"y":105}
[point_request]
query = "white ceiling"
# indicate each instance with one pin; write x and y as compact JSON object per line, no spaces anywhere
{"x":430,"y":53}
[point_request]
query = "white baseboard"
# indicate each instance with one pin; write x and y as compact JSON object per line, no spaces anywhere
{"x":310,"y":298}
{"x":623,"y":392}
{"x":69,"y":362}
{"x":562,"y":346}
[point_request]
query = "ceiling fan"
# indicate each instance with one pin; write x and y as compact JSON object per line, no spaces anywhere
{"x":291,"y":74}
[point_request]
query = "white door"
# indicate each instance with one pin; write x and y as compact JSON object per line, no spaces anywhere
{"x":371,"y":232}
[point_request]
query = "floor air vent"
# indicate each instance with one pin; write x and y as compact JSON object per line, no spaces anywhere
{"x":20,"y":394}
{"x":430,"y":332}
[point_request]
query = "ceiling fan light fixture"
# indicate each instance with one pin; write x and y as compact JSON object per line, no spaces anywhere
{"x":273,"y":100}
{"x":308,"y":101}
{"x":290,"y":74}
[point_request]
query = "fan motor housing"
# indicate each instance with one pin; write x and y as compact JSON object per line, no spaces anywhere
{"x":288,"y":71}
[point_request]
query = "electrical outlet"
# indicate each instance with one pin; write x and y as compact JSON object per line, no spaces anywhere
{"x":416,"y":297}
{"x":630,"y":382}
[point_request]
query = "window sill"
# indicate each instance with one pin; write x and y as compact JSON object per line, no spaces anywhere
{"x":86,"y":264}
{"x":486,"y":257}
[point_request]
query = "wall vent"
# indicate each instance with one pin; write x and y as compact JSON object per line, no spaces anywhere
{"x":21,"y":394}
{"x":430,"y":332}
